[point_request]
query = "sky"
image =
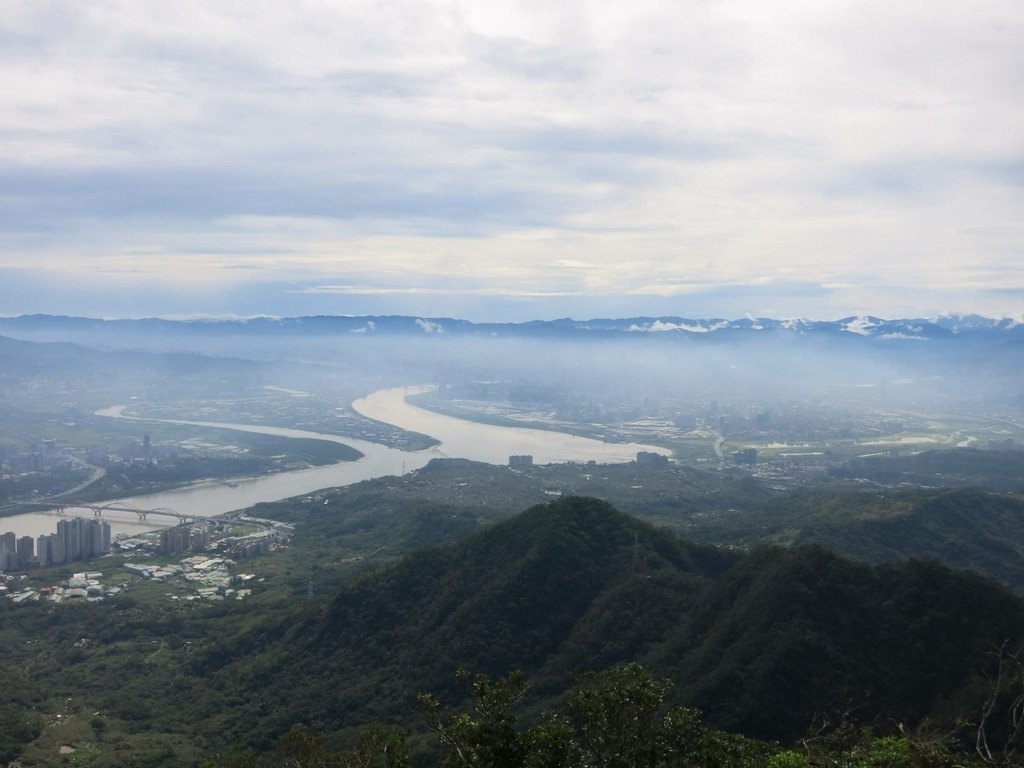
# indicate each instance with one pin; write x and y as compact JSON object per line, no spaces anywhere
{"x":512,"y":160}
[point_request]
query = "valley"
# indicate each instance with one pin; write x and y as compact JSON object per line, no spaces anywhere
{"x":749,"y":547}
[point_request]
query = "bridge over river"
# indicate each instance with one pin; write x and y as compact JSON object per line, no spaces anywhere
{"x":62,"y":507}
{"x":459,"y":439}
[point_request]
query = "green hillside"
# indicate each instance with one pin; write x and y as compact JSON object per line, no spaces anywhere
{"x":765,"y":642}
{"x":762,"y":642}
{"x":969,"y":528}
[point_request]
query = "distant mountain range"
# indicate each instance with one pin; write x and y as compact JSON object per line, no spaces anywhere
{"x":946,"y":327}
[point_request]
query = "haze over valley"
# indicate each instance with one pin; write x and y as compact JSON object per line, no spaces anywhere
{"x":447,"y":384}
{"x":318,"y":467}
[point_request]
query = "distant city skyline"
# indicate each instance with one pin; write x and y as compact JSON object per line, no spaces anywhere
{"x":507,"y":162}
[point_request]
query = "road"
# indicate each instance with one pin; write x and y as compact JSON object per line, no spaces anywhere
{"x":97,"y":473}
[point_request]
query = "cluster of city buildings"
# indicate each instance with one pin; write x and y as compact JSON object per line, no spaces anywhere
{"x":77,"y":538}
{"x":44,"y":455}
{"x":199,"y":538}
{"x":79,"y":588}
{"x":12,"y":584}
{"x":184,"y":538}
{"x":210,"y":576}
{"x":650,"y":460}
{"x":261,"y":542}
{"x":210,"y":536}
{"x":82,"y":538}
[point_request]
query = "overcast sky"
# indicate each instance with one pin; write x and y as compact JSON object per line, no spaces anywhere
{"x":511,"y":160}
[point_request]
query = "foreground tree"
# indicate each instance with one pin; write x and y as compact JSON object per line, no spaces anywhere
{"x":614,"y":719}
{"x":618,"y":719}
{"x":1000,"y":734}
{"x":378,"y":747}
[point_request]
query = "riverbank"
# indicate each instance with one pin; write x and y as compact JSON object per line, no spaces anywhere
{"x":458,"y":439}
{"x":461,"y":438}
{"x":429,"y":401}
{"x":263,"y":455}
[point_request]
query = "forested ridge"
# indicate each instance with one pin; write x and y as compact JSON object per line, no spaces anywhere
{"x":766,"y":643}
{"x":973,"y":528}
{"x":763,"y":643}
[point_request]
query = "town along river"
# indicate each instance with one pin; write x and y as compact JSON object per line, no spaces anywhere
{"x":458,"y":438}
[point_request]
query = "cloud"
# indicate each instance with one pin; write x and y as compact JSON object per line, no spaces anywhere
{"x":448,"y":291}
{"x":199,"y":196}
{"x":525,"y":152}
{"x":429,"y":326}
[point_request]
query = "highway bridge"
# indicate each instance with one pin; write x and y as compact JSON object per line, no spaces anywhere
{"x":119,"y":506}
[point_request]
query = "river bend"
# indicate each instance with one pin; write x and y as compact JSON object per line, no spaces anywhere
{"x":458,"y":438}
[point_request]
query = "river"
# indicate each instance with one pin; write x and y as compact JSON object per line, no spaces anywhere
{"x":458,"y":438}
{"x":465,"y":439}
